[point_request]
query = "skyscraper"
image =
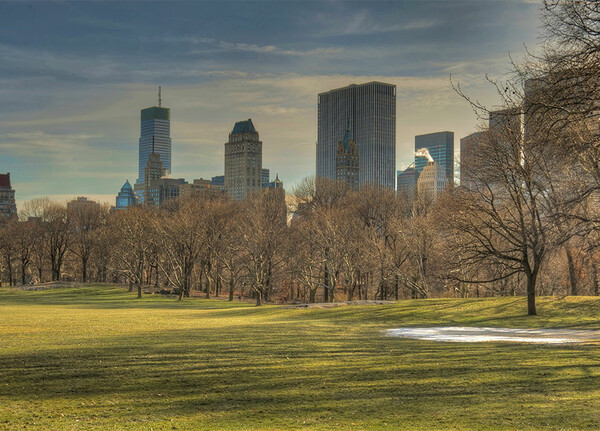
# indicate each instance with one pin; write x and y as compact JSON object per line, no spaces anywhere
{"x":371,"y":108}
{"x":155,"y":126}
{"x":243,"y":160}
{"x":8,"y":206}
{"x":441,"y":148}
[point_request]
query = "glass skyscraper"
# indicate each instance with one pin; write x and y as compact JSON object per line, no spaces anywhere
{"x":441,"y":148}
{"x":371,"y":111}
{"x":155,"y":122}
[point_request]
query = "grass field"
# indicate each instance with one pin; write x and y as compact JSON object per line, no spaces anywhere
{"x":97,"y":358}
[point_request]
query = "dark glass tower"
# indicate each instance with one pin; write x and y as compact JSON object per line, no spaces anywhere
{"x":371,"y":108}
{"x":155,"y":124}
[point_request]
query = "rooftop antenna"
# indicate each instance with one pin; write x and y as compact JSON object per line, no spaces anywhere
{"x":159,"y":98}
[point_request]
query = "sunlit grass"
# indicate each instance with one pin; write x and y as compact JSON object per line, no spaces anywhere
{"x":97,"y":358}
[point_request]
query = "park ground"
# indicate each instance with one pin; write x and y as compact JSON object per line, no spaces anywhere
{"x":96,"y":357}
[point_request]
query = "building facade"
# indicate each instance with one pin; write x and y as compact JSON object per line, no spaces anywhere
{"x":153,"y":171}
{"x":469,"y":158}
{"x":266,"y":177}
{"x":371,"y":108}
{"x":155,"y":133}
{"x":8,"y":206}
{"x":199,"y":187}
{"x":126,"y":197}
{"x":243,"y":161}
{"x":432,"y":181}
{"x":407,"y":181}
{"x":441,"y":147}
{"x":162,"y":190}
{"x":82,"y":202}
{"x":347,"y":161}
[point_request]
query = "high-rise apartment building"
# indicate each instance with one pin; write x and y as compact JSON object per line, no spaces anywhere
{"x":371,"y":108}
{"x":441,"y":147}
{"x":8,"y":206}
{"x":243,"y":160}
{"x":347,"y":161}
{"x":155,"y":133}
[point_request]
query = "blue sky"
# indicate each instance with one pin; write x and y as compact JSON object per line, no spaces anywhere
{"x":74,"y":76}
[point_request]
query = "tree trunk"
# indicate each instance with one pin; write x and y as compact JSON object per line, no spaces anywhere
{"x":84,"y":270}
{"x":572,"y":275}
{"x":596,"y":283}
{"x":23,"y":270}
{"x":531,"y":279}
{"x":258,"y":298}
{"x":10,"y":272}
{"x":326,"y":285}
{"x":312,"y":296}
{"x":139,"y":289}
{"x":208,"y":286}
{"x":231,"y":287}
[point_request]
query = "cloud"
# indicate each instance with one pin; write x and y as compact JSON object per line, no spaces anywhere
{"x":362,"y":22}
{"x":249,"y":47}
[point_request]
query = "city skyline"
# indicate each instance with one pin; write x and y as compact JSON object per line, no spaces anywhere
{"x":62,"y":91}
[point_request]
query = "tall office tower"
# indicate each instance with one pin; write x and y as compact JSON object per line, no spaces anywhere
{"x":441,"y":148}
{"x":155,"y":125}
{"x":407,"y":181}
{"x":243,"y":160}
{"x":469,"y":146}
{"x":8,"y":206}
{"x":126,"y":197}
{"x":347,"y":161}
{"x":371,"y":108}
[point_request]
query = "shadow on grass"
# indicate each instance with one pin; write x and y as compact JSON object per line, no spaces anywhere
{"x":289,"y":372}
{"x":109,"y":297}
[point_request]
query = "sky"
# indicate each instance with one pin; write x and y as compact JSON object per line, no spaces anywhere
{"x":75,"y":75}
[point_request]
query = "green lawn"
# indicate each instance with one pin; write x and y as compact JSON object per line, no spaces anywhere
{"x":97,"y":358}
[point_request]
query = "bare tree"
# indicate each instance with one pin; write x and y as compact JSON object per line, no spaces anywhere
{"x":181,"y":239}
{"x":133,"y":229}
{"x":87,"y":218}
{"x":263,"y":228}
